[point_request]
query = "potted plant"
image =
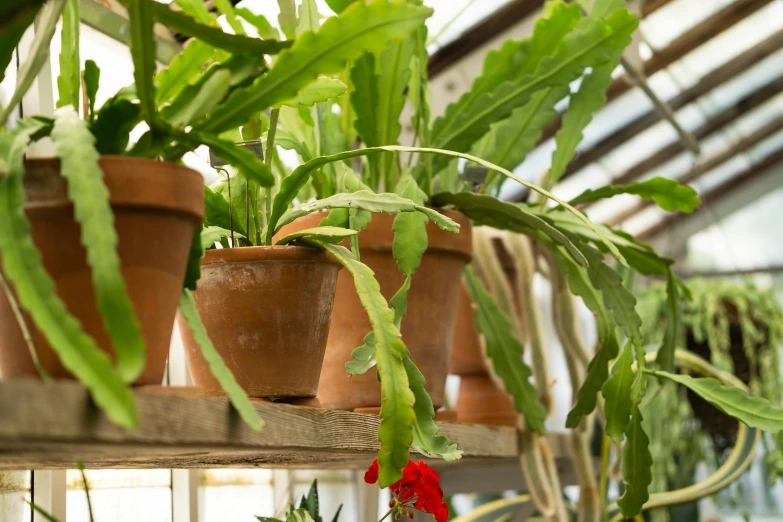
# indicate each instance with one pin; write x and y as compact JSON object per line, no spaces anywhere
{"x":185,"y":107}
{"x":737,"y":327}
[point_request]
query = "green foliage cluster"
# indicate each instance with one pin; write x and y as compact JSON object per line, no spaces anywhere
{"x":712,"y":309}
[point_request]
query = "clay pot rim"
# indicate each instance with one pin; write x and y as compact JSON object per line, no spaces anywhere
{"x":51,"y":195}
{"x":260,"y":254}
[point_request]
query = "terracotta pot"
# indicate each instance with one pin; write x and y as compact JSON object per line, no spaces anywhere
{"x":481,"y":402}
{"x":156,"y":206}
{"x":428,"y":327}
{"x":267,"y":311}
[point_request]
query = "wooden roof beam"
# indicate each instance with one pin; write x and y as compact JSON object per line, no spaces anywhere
{"x":706,"y":84}
{"x":743,"y":106}
{"x":650,"y":6}
{"x":742,"y":146}
{"x":700,"y":34}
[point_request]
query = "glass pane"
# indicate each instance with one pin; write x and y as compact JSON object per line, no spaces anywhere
{"x":235,"y":494}
{"x":14,"y":491}
{"x":120,"y":496}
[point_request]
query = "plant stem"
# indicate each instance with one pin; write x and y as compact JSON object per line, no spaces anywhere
{"x":388,"y":513}
{"x":602,"y":485}
{"x":28,"y":339}
{"x":270,"y":150}
{"x":86,"y":491}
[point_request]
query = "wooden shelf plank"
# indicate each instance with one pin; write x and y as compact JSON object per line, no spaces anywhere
{"x":54,"y":425}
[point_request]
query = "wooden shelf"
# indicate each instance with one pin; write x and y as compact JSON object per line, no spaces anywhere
{"x":55,"y":425}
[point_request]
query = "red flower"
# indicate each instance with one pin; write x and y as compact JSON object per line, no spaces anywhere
{"x":442,"y":515}
{"x":419,"y":487}
{"x":371,"y":477}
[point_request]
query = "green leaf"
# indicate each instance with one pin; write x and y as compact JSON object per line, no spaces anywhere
{"x":185,"y":68}
{"x":338,"y":6}
{"x":13,"y":25}
{"x":69,"y":81}
{"x":363,"y":357}
{"x":667,"y":194}
{"x":756,"y":412}
{"x":321,"y":90}
{"x":505,"y":351}
{"x":226,"y":8}
{"x":309,"y":17}
{"x":385,"y":101}
{"x":299,"y":515}
{"x":617,"y":298}
{"x":640,"y":256}
{"x":617,"y":392}
{"x":516,"y":58}
{"x":583,"y":104}
{"x":42,"y":512}
{"x":193,"y":268}
{"x":243,"y":406}
{"x":38,"y":54}
{"x":214,"y":36}
{"x":198,"y":100}
{"x":665,"y":357}
{"x":387,"y":202}
{"x":508,"y":142}
{"x":397,"y":414}
{"x":321,"y":233}
{"x":359,"y":29}
{"x":310,"y":502}
{"x":92,"y":77}
{"x":261,"y":24}
{"x":425,"y":432}
{"x":142,"y":47}
{"x":35,"y":290}
{"x":244,"y":160}
{"x":636,"y":466}
{"x":217,"y":213}
{"x":287,"y":18}
{"x":492,"y":212}
{"x":113,"y":123}
{"x":74,"y":145}
{"x":592,"y":44}
{"x":608,"y":344}
{"x":212,"y":235}
{"x":198,"y":10}
{"x":410,"y":240}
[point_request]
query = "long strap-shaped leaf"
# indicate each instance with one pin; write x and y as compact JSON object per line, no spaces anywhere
{"x":397,"y":413}
{"x":667,"y":194}
{"x":425,"y":431}
{"x":588,"y":46}
{"x":75,"y":146}
{"x":291,"y":186}
{"x":39,"y":54}
{"x":69,"y":82}
{"x":238,"y":397}
{"x":734,"y":392}
{"x":13,"y":25}
{"x":360,"y":28}
{"x":183,"y":69}
{"x":36,"y":292}
{"x":505,"y":351}
{"x":142,"y":47}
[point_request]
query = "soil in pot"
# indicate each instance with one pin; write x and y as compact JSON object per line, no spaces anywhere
{"x":157,"y":206}
{"x":428,"y":327}
{"x":480,"y":401}
{"x":267,"y":311}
